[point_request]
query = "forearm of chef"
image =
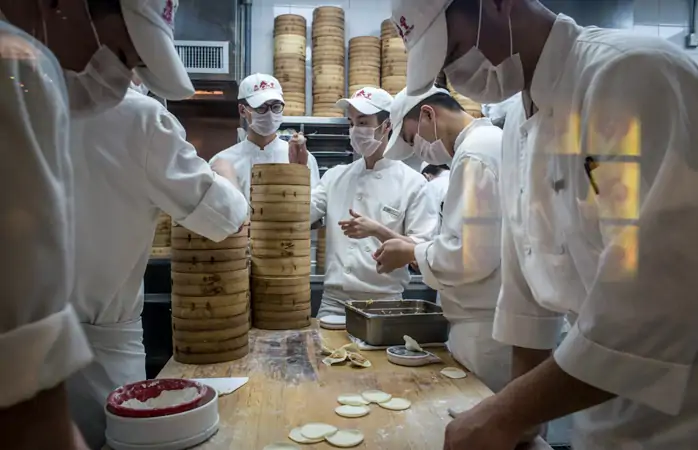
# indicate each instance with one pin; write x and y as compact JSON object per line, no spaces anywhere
{"x":384,"y":233}
{"x":220,"y":213}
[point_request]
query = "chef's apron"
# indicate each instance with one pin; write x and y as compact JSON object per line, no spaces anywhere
{"x":470,"y":343}
{"x":333,"y":300}
{"x":119,"y":359}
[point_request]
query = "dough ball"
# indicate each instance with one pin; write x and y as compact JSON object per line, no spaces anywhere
{"x":376,"y":396}
{"x":454,"y":373}
{"x":352,"y":412}
{"x":396,"y":404}
{"x":346,"y":438}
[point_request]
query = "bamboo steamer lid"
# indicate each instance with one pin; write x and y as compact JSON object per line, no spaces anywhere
{"x":210,"y":358}
{"x":293,"y":174}
{"x":280,"y":212}
{"x":212,"y":347}
{"x":289,"y":44}
{"x":221,"y":301}
{"x":209,"y":313}
{"x":296,"y":325}
{"x":196,"y":256}
{"x":328,"y":11}
{"x":278,"y":316}
{"x":273,"y":307}
{"x":223,"y":288}
{"x":334,"y":70}
{"x":206,"y":244}
{"x":289,"y":19}
{"x":209,"y":267}
{"x":287,"y":299}
{"x":210,"y":335}
{"x":271,"y":193}
{"x":210,"y":324}
{"x":208,"y":279}
{"x":281,"y":267}
{"x":388,"y":29}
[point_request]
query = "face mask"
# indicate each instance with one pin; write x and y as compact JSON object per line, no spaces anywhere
{"x":266,"y":124}
{"x":431,"y":152}
{"x":474,"y":76}
{"x":140,"y":88}
{"x":363,"y":140}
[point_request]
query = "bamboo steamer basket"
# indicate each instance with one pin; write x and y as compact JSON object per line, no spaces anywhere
{"x":209,"y":267}
{"x":294,"y":110}
{"x":280,"y":212}
{"x":263,"y":316}
{"x":287,"y":300}
{"x":219,"y":255}
{"x":208,"y":279}
{"x":179,"y":232}
{"x":388,"y":29}
{"x":471,"y":107}
{"x":207,"y":244}
{"x":358,"y":87}
{"x":287,"y":174}
{"x":274,"y":248}
{"x":330,"y":42}
{"x":321,"y":249}
{"x":280,"y":230}
{"x":324,"y":12}
{"x":329,"y":70}
{"x":290,"y":24}
{"x":328,"y":59}
{"x":161,"y":238}
{"x":210,"y":324}
{"x":211,"y":303}
{"x":321,"y":31}
{"x":209,"y":287}
{"x":328,"y":111}
{"x":290,"y":51}
{"x":281,"y":267}
{"x":292,"y":97}
{"x":272,"y":193}
{"x":265,"y":306}
{"x":295,"y":325}
{"x":198,"y":348}
{"x":210,"y":335}
{"x":289,"y":44}
{"x":209,"y":313}
{"x":276,"y":285}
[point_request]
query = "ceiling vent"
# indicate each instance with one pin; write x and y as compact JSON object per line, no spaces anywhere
{"x":204,"y":56}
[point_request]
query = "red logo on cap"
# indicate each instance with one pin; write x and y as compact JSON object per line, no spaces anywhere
{"x":264,"y":85}
{"x":363,"y":94}
{"x":169,"y":12}
{"x":403,"y":28}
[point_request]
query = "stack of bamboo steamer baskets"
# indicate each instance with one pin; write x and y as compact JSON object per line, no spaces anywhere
{"x":321,"y":250}
{"x":289,"y":61}
{"x":280,"y":246}
{"x":161,"y":240}
{"x":210,"y":297}
{"x":364,"y":63}
{"x":393,"y":59}
{"x":329,"y":57}
{"x":471,"y":107}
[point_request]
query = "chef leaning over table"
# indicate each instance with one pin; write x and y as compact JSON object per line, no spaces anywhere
{"x":261,"y":103}
{"x":600,"y":198}
{"x":365,"y":203}
{"x":96,"y":43}
{"x":462,"y":261}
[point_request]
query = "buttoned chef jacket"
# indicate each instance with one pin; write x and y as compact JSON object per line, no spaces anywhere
{"x":620,"y":256}
{"x":462,"y":261}
{"x":391,"y":194}
{"x":246,"y":154}
{"x":131,"y":162}
{"x":41,"y":342}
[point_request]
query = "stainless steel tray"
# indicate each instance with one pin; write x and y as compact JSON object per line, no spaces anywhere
{"x":385,"y":322}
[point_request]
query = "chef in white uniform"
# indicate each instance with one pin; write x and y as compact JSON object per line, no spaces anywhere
{"x":261,"y":104}
{"x":462,"y":261}
{"x":131,"y":162}
{"x":96,"y":44}
{"x":437,"y":176}
{"x":366,"y":203}
{"x":600,"y":197}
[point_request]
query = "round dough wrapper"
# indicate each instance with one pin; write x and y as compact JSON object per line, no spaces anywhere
{"x":376,"y":396}
{"x":296,"y":436}
{"x":282,"y":446}
{"x":317,"y":430}
{"x":396,"y":404}
{"x":352,"y":400}
{"x":352,"y":412}
{"x":346,"y":438}
{"x":454,"y":373}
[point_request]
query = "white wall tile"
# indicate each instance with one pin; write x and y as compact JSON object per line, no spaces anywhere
{"x":646,"y":30}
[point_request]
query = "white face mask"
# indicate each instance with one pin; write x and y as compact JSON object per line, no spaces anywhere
{"x":140,"y":88}
{"x":101,"y":86}
{"x":266,"y":124}
{"x":431,"y":152}
{"x":363,"y":140}
{"x":474,"y":76}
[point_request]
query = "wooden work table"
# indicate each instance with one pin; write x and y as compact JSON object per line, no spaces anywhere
{"x":289,"y":386}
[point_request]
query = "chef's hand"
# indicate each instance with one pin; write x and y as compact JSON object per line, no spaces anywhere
{"x":226,"y":170}
{"x":297,"y":150}
{"x":483,"y":427}
{"x":393,"y":254}
{"x":359,"y":227}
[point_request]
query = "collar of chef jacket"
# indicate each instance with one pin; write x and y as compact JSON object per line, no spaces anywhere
{"x":274,"y":145}
{"x":381,"y":164}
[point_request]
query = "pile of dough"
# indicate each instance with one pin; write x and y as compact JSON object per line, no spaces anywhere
{"x":346,"y":438}
{"x":352,"y":400}
{"x":396,"y":404}
{"x":352,"y":412}
{"x":454,"y":373}
{"x":376,"y":396}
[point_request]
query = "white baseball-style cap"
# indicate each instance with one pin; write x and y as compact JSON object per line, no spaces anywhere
{"x":259,"y":88}
{"x":422,"y":26}
{"x":403,"y":104}
{"x":150,"y":24}
{"x":369,"y":101}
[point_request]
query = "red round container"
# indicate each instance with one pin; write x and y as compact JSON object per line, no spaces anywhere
{"x":145,"y":390}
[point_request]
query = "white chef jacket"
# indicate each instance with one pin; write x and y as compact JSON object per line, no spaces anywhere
{"x":628,"y":102}
{"x":41,"y":343}
{"x":246,"y":154}
{"x":131,"y":162}
{"x":435,"y":191}
{"x":391,"y":194}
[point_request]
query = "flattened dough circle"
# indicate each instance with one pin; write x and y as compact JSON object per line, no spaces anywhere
{"x":282,"y":446}
{"x":296,"y":436}
{"x":317,"y":430}
{"x":376,"y":396}
{"x":454,"y":373}
{"x":346,"y":438}
{"x":352,"y":400}
{"x":352,"y":412}
{"x":396,"y":404}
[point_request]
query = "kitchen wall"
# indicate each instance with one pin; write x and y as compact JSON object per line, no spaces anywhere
{"x":664,"y":18}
